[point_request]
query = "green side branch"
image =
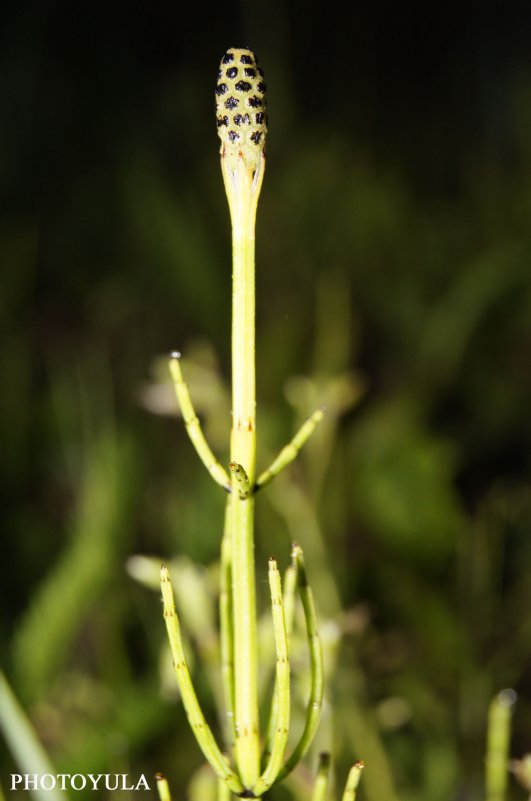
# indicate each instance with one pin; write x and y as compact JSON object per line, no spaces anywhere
{"x":315,"y":701}
{"x":290,"y":451}
{"x":192,"y":424}
{"x":498,"y":742}
{"x":322,"y":780}
{"x":200,"y":727}
{"x":281,"y":716}
{"x":353,"y":780}
{"x":290,"y":589}
{"x":163,"y":787}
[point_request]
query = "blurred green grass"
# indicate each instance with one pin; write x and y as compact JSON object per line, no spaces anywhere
{"x":403,"y":304}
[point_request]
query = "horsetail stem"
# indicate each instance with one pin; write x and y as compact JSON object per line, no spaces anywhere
{"x":162,"y":787}
{"x":290,"y":451}
{"x":226,"y":627}
{"x":192,"y":424}
{"x":353,"y":780}
{"x":322,"y":780}
{"x":498,"y":743}
{"x":200,"y":727}
{"x":288,"y":602}
{"x":241,"y":121}
{"x":281,"y":714}
{"x":315,"y":701}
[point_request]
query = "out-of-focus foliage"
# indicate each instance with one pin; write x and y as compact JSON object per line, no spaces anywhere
{"x":394,"y":285}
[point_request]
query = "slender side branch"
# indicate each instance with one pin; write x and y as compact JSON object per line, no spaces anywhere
{"x":498,"y":743}
{"x":162,"y":787}
{"x":291,"y":450}
{"x":290,"y":587}
{"x":353,"y":780}
{"x":193,"y":426}
{"x":322,"y":779}
{"x":315,"y":702}
{"x":200,"y":727}
{"x":282,"y":689}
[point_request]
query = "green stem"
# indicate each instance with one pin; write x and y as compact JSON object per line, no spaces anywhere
{"x":198,"y":724}
{"x":226,"y":629}
{"x":163,"y":787}
{"x":498,"y":741}
{"x":245,"y":641}
{"x":192,"y":424}
{"x":290,"y":588}
{"x":224,"y":793}
{"x":353,"y":780}
{"x":290,"y":451}
{"x":21,"y":739}
{"x":242,"y":189}
{"x":315,"y":702}
{"x":320,"y":788}
{"x":281,"y":715}
{"x":243,"y":440}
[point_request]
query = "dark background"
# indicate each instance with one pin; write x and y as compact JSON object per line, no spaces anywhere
{"x":393,"y":253}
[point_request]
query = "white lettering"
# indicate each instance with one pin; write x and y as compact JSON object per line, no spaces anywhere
{"x":108,"y":784}
{"x":62,"y":777}
{"x":16,"y":778}
{"x":124,"y":782}
{"x":77,"y":781}
{"x":95,"y":780}
{"x":83,"y":781}
{"x":142,"y":781}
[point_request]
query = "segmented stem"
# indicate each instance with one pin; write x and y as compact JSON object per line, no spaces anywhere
{"x":353,"y":780}
{"x":291,"y":450}
{"x":200,"y":727}
{"x":226,"y":627}
{"x":242,"y":165}
{"x":162,"y":787}
{"x":290,"y":588}
{"x":281,"y":716}
{"x":241,"y":121}
{"x":498,"y":741}
{"x":245,"y":640}
{"x":322,"y":779}
{"x":193,"y":426}
{"x":315,"y":702}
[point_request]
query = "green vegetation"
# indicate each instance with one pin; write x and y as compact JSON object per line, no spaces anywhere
{"x":401,"y":306}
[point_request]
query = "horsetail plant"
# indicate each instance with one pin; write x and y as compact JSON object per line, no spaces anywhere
{"x":241,"y":768}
